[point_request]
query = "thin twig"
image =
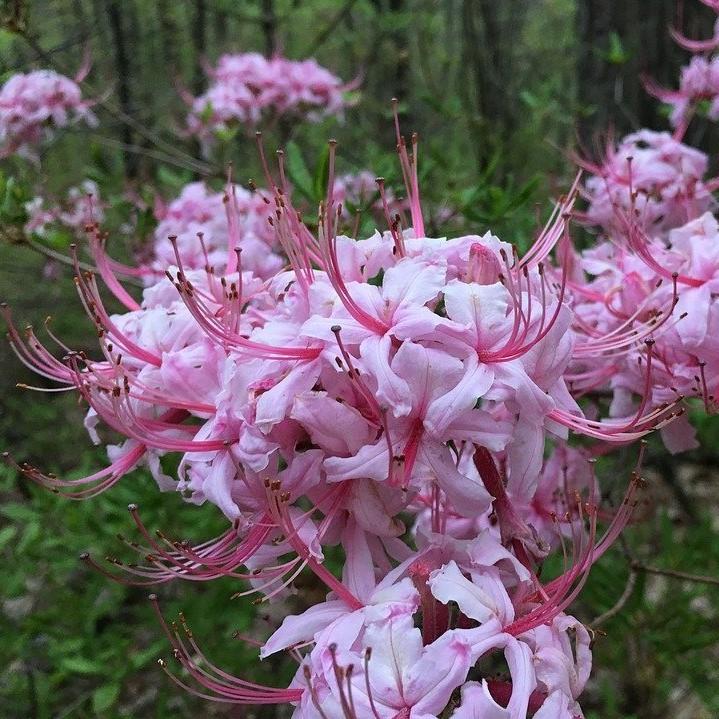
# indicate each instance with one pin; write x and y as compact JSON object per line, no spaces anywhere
{"x":147,"y":152}
{"x":70,"y":708}
{"x":31,"y":690}
{"x":54,"y":255}
{"x":64,"y":259}
{"x":619,"y":605}
{"x":322,"y":36}
{"x":675,"y":574}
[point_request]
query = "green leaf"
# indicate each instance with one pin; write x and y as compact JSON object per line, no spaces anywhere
{"x":529,"y":99}
{"x":227,"y":134}
{"x":12,"y":205}
{"x":79,"y":665}
{"x":377,"y":279}
{"x":402,"y":108}
{"x":58,"y":238}
{"x":297,"y":170}
{"x":704,"y":107}
{"x":145,"y":222}
{"x":206,"y":114}
{"x":617,"y":54}
{"x":141,"y":658}
{"x":6,"y":535}
{"x":104,"y":697}
{"x":18,"y":512}
{"x":173,"y":179}
{"x":30,"y":536}
{"x":352,"y":97}
{"x":322,"y":173}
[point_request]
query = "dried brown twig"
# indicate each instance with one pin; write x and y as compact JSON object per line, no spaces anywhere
{"x":619,"y":605}
{"x":675,"y":574}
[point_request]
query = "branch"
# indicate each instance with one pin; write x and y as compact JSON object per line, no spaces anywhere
{"x":635,"y":566}
{"x":64,"y":259}
{"x":158,"y":155}
{"x":675,"y":574}
{"x":623,"y":599}
{"x":322,"y":36}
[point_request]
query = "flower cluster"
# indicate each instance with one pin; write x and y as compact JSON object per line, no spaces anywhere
{"x":82,"y":206}
{"x":391,"y":396}
{"x":698,"y":83}
{"x":356,"y":190}
{"x":33,"y":105}
{"x":247,"y":87}
{"x":657,"y":260}
{"x":669,"y":281}
{"x":201,"y":222}
{"x":656,"y":177}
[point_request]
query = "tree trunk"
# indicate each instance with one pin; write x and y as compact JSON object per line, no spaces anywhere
{"x":489,"y":68}
{"x":169,"y":34}
{"x":269,"y":27}
{"x":123,"y":70}
{"x":199,"y":38}
{"x":221,"y":23}
{"x":398,"y":37}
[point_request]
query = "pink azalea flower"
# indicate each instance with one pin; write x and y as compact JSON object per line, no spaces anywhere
{"x":246,"y":88}
{"x":81,"y":207}
{"x":198,"y":219}
{"x":699,"y":82}
{"x":393,"y":397}
{"x":393,"y":677}
{"x":658,"y":176}
{"x":33,"y":105}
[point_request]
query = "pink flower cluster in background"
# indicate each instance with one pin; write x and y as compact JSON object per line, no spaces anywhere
{"x":699,"y":80}
{"x":246,"y":88}
{"x":81,"y":207}
{"x":665,"y":273}
{"x":35,"y":104}
{"x":360,"y":192}
{"x":356,"y":189}
{"x":198,"y":219}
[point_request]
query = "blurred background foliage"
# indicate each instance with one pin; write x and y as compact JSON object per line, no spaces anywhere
{"x":502,"y":94}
